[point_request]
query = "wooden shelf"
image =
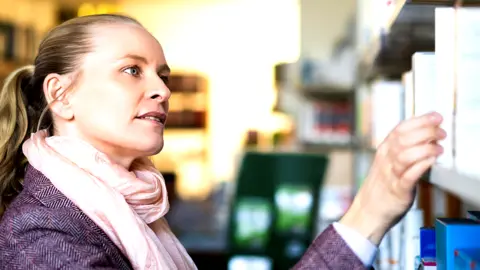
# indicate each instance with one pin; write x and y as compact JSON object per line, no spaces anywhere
{"x":331,"y":92}
{"x":326,"y":147}
{"x":354,"y":145}
{"x":410,"y":29}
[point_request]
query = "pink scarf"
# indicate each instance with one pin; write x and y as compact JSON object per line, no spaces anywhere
{"x":128,"y":206}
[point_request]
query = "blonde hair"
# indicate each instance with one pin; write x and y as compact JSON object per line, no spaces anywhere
{"x":23,"y":107}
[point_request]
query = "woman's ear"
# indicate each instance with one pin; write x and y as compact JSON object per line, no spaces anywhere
{"x":55,"y":88}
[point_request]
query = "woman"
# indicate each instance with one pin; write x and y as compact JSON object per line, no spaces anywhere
{"x":79,"y":193}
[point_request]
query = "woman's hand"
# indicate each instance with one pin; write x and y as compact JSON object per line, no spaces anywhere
{"x":389,"y":190}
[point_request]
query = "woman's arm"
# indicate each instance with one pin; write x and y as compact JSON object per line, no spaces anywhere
{"x":331,"y":251}
{"x":390,"y":187}
{"x":386,"y":195}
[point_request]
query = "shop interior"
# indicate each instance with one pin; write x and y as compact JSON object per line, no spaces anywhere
{"x":278,"y":106}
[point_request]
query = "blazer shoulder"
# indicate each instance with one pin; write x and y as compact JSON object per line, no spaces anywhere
{"x":27,"y":219}
{"x":32,"y":233}
{"x":42,"y":207}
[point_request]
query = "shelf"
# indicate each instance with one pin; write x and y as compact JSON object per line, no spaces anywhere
{"x":410,"y":29}
{"x":326,"y":147}
{"x":463,"y":186}
{"x":354,"y":145}
{"x":327,"y":92}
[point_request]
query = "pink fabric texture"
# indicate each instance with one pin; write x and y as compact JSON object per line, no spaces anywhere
{"x":129,"y":206}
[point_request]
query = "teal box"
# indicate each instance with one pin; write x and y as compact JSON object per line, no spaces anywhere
{"x":467,"y":259}
{"x":454,"y":234}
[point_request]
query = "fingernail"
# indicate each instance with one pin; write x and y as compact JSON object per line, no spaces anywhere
{"x":439,"y":149}
{"x":441,"y":133}
{"x":435,"y":116}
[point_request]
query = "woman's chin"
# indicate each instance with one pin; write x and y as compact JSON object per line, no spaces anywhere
{"x":155,"y":150}
{"x":150,"y":149}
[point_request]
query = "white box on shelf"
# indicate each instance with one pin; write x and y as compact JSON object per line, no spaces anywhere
{"x":387,"y":108}
{"x":467,"y":118}
{"x":423,"y":75}
{"x":445,"y":96}
{"x":412,"y":223}
{"x":409,"y":100}
{"x":457,"y":36}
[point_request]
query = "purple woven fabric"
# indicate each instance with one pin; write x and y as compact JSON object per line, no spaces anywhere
{"x":42,"y":229}
{"x":329,"y":252}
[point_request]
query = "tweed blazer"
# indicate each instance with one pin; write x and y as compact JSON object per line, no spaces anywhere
{"x":329,"y":252}
{"x":42,"y":229}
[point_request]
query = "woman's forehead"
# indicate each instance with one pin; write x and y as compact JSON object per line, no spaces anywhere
{"x":116,"y":42}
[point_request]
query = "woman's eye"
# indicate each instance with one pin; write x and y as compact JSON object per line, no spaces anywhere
{"x":134,"y":71}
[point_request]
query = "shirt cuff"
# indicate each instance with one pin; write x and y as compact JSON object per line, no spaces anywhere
{"x":362,"y":247}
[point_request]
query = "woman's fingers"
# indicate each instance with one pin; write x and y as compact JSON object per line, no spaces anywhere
{"x":429,"y":119}
{"x":413,"y":174}
{"x":408,"y":151}
{"x":412,"y":155}
{"x":396,"y":146}
{"x":422,"y":135}
{"x":414,"y":140}
{"x":419,"y":130}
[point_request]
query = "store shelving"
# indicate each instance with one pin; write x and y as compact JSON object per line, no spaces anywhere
{"x":462,"y":185}
{"x":410,"y":29}
{"x":327,"y":91}
{"x":326,"y":147}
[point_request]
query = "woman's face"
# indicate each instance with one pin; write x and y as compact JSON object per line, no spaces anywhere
{"x":120,"y":101}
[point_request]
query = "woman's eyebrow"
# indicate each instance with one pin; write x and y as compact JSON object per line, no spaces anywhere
{"x":160,"y":69}
{"x":135,"y":57}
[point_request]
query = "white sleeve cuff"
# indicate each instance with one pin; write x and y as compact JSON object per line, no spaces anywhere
{"x":363,"y":248}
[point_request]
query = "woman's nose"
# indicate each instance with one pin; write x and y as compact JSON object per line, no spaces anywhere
{"x":160,"y":92}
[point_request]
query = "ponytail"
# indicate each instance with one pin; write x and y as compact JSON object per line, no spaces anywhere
{"x":13,"y":130}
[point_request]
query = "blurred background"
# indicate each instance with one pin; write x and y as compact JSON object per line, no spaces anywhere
{"x":276,"y":110}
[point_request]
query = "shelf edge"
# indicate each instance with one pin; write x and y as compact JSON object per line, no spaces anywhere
{"x":464,"y":186}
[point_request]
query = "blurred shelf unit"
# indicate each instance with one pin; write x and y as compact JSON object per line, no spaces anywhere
{"x":288,"y":98}
{"x":18,"y":44}
{"x":386,"y":47}
{"x":7,"y":67}
{"x":186,"y":155}
{"x":325,"y":121}
{"x":379,"y":108}
{"x":188,"y":103}
{"x":323,"y":111}
{"x":319,"y":92}
{"x":327,"y":92}
{"x":427,"y":51}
